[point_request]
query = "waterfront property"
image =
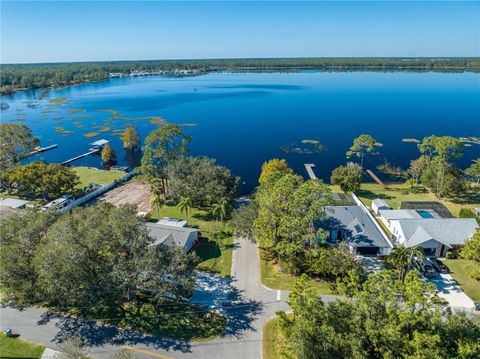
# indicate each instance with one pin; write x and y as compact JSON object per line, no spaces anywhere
{"x":435,"y":235}
{"x":354,"y":225}
{"x":173,"y":235}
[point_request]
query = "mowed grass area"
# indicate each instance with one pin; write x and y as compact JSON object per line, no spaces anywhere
{"x":215,"y":253}
{"x":271,"y":340}
{"x":395,"y":194}
{"x":93,"y":175}
{"x":18,"y":348}
{"x":460,"y":270}
{"x":273,"y":277}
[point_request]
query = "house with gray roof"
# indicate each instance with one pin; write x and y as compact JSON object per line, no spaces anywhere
{"x":355,"y":225}
{"x":183,"y":237}
{"x":435,"y":235}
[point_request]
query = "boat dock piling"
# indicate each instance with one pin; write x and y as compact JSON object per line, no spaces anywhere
{"x":309,"y":167}
{"x":375,"y":178}
{"x":97,"y":147}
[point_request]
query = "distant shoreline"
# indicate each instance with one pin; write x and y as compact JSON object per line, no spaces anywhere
{"x":37,"y":76}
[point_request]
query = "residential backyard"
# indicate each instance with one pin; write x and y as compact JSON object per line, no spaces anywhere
{"x":396,"y":193}
{"x":93,"y":175}
{"x":214,"y":251}
{"x":18,"y":348}
{"x":460,"y":270}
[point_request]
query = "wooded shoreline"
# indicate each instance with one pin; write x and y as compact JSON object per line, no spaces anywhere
{"x":33,"y":76}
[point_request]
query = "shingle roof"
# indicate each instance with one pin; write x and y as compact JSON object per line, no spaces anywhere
{"x":169,"y":235}
{"x":358,"y":228}
{"x":449,"y":231}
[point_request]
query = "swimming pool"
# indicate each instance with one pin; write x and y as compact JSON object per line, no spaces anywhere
{"x":425,"y":214}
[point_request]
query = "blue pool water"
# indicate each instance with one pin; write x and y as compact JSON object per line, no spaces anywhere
{"x":244,"y":118}
{"x":424,"y":214}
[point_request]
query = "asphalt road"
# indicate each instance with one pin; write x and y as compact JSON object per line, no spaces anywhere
{"x":249,"y":306}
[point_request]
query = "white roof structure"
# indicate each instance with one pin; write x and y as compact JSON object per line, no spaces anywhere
{"x":380,"y":204}
{"x":448,"y":231}
{"x":390,"y":214}
{"x":13,"y":203}
{"x":99,"y":142}
{"x":175,"y":222}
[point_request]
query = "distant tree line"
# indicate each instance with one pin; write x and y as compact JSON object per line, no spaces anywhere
{"x":31,"y":76}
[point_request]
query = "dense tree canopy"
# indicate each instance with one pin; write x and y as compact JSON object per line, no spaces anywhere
{"x":163,"y":147}
{"x":202,"y":180}
{"x":474,"y":171}
{"x":41,"y":180}
{"x":96,"y":256}
{"x":274,"y":165}
{"x":130,"y":138}
{"x":348,"y":177}
{"x":384,"y":318}
{"x":108,"y":154}
{"x":16,"y":141}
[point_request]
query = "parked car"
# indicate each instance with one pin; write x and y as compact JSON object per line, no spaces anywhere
{"x":428,"y":271}
{"x":438,"y":265}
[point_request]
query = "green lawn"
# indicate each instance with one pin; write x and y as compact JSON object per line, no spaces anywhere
{"x":273,"y":277}
{"x":89,"y":174}
{"x":270,"y":342}
{"x":18,"y":348}
{"x":216,"y":253}
{"x":394,"y":197}
{"x":460,"y":270}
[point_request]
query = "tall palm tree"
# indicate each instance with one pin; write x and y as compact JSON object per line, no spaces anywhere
{"x":405,"y":258}
{"x":220,"y":210}
{"x":185,"y":205}
{"x":157,"y":202}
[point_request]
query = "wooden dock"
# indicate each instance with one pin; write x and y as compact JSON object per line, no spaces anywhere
{"x":376,"y":179}
{"x":309,"y":167}
{"x":40,"y":150}
{"x":92,"y":151}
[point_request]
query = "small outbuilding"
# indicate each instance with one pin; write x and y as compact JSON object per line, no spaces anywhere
{"x":379,"y":205}
{"x":13,"y":203}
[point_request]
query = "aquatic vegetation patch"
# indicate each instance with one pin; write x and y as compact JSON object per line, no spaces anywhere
{"x":58,"y":117}
{"x":75,"y":110}
{"x":84,"y":116}
{"x":303,"y":148}
{"x":62,"y":130}
{"x":471,"y":140}
{"x":156,"y":120}
{"x":58,"y":100}
{"x":393,"y":171}
{"x":105,"y":129}
{"x":113,"y":112}
{"x":46,"y":111}
{"x":410,"y":140}
{"x":91,"y":134}
{"x":54,"y":104}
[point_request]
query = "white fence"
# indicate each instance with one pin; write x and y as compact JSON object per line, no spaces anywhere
{"x":367,"y":211}
{"x":98,"y":192}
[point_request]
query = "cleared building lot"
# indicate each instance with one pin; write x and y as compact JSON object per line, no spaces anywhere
{"x":132,"y":192}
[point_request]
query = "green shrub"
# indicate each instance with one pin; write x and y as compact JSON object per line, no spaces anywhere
{"x":451,"y":255}
{"x":466,"y":213}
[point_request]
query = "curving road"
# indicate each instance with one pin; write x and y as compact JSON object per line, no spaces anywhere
{"x":249,"y":306}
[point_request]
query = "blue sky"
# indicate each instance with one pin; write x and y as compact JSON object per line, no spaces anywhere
{"x":121,"y":30}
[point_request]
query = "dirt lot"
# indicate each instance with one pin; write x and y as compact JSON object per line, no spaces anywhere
{"x":133,"y":193}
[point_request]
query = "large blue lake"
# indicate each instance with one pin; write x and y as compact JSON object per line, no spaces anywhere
{"x":244,"y":118}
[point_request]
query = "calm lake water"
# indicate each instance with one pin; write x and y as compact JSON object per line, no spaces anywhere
{"x":244,"y":118}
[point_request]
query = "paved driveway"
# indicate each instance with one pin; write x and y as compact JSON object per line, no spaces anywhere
{"x":449,"y":290}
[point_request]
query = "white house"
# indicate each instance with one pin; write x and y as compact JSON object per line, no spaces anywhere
{"x":173,"y":235}
{"x":379,"y":204}
{"x":435,"y":235}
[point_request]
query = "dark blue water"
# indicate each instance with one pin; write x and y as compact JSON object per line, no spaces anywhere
{"x":243,"y":119}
